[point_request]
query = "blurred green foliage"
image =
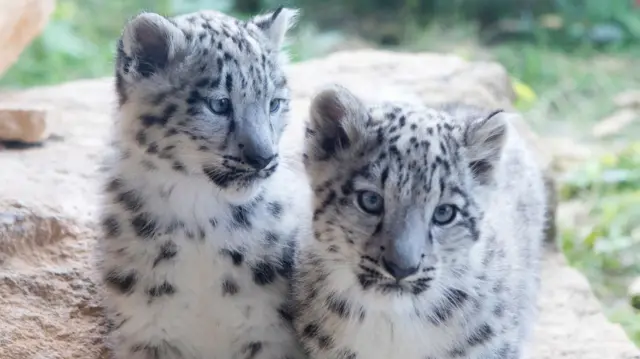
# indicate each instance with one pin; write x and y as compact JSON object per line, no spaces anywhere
{"x":607,"y":247}
{"x":79,"y":40}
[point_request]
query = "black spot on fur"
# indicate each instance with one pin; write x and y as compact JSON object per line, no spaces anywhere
{"x":153,"y":148}
{"x":151,"y":120}
{"x":287,"y":261}
{"x":228,"y":83}
{"x":122,"y":282}
{"x":251,"y":350}
{"x":263,"y":273}
{"x":240,"y":216}
{"x":458,"y":353}
{"x":333,"y":249}
{"x":168,"y":250}
{"x":168,"y":112}
{"x":141,"y":138}
{"x":346,"y":354}
{"x":310,"y":331}
{"x":330,"y":145}
{"x":114,"y":184}
{"x":480,"y":335}
{"x":285,"y":313}
{"x":144,"y":225}
{"x":165,"y":288}
{"x":454,"y":300}
{"x":338,"y":305}
{"x":236,"y":256}
{"x":229,"y":287}
{"x":178,"y":167}
{"x":110,"y":226}
{"x":271,"y":237}
{"x":275,"y":208}
{"x":325,"y":342}
{"x":130,"y":200}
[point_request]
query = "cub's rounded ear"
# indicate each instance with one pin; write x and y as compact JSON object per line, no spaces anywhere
{"x":337,"y":121}
{"x":153,"y":41}
{"x":275,"y":24}
{"x":484,"y":139}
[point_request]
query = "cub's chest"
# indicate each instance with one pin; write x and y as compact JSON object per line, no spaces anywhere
{"x":250,"y":245}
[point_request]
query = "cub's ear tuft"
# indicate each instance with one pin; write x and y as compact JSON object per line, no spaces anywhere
{"x":275,"y":24}
{"x":484,"y":139}
{"x":337,"y":122}
{"x":152,"y":41}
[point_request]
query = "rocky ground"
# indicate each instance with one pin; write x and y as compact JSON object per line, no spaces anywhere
{"x":48,"y":200}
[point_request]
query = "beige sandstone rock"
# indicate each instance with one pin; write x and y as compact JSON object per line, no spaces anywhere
{"x":21,"y":124}
{"x":48,"y":198}
{"x":20,"y":22}
{"x":616,"y":123}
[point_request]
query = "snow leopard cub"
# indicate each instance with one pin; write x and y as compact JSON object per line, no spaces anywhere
{"x":427,"y":233}
{"x":202,"y":211}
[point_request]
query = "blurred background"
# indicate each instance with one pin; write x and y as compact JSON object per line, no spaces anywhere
{"x":574,"y":65}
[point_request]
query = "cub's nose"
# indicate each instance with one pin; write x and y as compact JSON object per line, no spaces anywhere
{"x":399,"y":270}
{"x":257,"y":159}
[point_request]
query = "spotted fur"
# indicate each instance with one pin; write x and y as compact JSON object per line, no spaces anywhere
{"x":390,"y":273}
{"x":200,"y":219}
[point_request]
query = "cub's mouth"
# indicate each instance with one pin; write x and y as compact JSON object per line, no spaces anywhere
{"x":372,"y":278}
{"x":234,"y":173}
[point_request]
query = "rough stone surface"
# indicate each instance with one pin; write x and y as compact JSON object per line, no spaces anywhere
{"x":23,"y":124}
{"x":48,"y":299}
{"x":20,"y":22}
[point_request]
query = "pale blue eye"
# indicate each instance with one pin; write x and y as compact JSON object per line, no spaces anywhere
{"x":370,"y":202}
{"x":220,"y":106}
{"x":444,"y":214}
{"x":274,"y":105}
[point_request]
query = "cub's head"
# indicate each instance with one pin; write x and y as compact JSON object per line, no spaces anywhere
{"x":205,"y":94}
{"x":398,"y":189}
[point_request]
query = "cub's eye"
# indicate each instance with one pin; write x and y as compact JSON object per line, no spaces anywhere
{"x":444,"y":214}
{"x":274,"y":105}
{"x":370,"y":202}
{"x":221,"y":106}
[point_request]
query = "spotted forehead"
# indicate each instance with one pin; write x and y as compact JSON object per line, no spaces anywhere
{"x":237,"y":51}
{"x":418,"y":147}
{"x":221,"y":32}
{"x":415,"y":130}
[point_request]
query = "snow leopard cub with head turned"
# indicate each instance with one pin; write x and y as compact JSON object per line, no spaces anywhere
{"x":202,"y":211}
{"x":427,"y":233}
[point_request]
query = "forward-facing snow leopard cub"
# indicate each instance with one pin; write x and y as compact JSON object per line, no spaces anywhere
{"x":427,"y":233}
{"x":202,"y":212}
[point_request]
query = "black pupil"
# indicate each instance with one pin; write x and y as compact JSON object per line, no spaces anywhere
{"x":372,"y":200}
{"x":221,"y":105}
